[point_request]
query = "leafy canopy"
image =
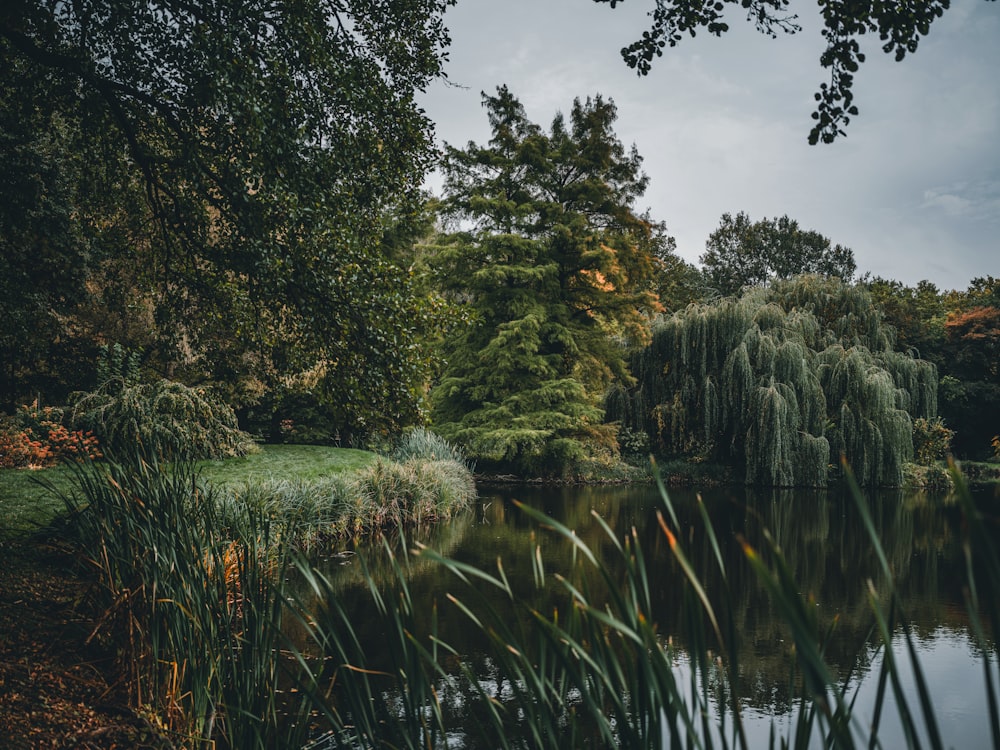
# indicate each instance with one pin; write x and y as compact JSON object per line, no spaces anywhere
{"x":741,"y":253}
{"x":780,"y":383}
{"x":265,"y":140}
{"x":555,"y":267}
{"x":899,"y":24}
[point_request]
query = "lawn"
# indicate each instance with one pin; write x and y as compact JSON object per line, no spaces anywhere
{"x":25,"y":504}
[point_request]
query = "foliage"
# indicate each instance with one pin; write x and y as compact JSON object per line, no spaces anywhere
{"x":219,"y":137}
{"x":971,"y":352}
{"x":779,"y":383}
{"x":974,"y":338}
{"x":45,"y":256}
{"x":26,"y":505}
{"x":740,"y":253}
{"x":931,"y":441}
{"x":555,"y":267}
{"x":899,"y":25}
{"x":193,"y":578}
{"x":957,"y":330}
{"x":634,"y":445}
{"x":167,"y":418}
{"x":916,"y":313}
{"x":421,"y":443}
{"x":425,"y":480}
{"x":397,"y":493}
{"x":116,"y":361}
{"x":37,"y":438}
{"x":193,"y":598}
{"x":676,"y":282}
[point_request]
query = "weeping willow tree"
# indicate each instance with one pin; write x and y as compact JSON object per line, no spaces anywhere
{"x":781,"y":382}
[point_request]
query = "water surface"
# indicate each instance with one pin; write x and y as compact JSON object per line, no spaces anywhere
{"x":821,"y":536}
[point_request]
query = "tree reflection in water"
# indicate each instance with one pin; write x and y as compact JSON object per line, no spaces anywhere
{"x":819,"y":533}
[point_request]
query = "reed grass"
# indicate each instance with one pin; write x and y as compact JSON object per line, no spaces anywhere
{"x":380,"y":495}
{"x":195,"y":585}
{"x":596,"y":672}
{"x":194,"y":595}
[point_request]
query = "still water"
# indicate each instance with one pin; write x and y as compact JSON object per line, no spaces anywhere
{"x":823,"y":540}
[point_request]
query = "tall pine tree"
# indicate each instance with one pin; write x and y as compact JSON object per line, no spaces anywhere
{"x":554,"y":265}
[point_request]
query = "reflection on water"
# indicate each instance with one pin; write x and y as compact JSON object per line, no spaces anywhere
{"x":819,"y":533}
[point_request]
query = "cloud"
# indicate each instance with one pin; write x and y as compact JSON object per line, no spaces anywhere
{"x":978,"y":200}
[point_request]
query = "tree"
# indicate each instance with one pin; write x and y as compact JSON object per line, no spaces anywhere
{"x":45,"y":256}
{"x":780,"y":383}
{"x":267,"y":140}
{"x":959,"y":331}
{"x":554,"y":265}
{"x":742,"y":253}
{"x":972,"y":390}
{"x":916,"y":313}
{"x":900,"y":25}
{"x":676,"y":282}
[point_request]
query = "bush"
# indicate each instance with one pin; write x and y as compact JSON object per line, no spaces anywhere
{"x":37,"y":438}
{"x":165,"y":417}
{"x":929,"y":477}
{"x":931,"y":441}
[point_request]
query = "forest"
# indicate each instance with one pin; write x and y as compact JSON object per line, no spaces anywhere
{"x":189,"y":225}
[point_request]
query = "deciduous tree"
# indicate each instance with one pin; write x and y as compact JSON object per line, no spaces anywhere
{"x":900,"y":24}
{"x":742,"y":253}
{"x":780,"y":383}
{"x":268,"y":139}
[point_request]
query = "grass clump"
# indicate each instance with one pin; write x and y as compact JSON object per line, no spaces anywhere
{"x":193,"y":597}
{"x":423,"y":480}
{"x":422,"y":444}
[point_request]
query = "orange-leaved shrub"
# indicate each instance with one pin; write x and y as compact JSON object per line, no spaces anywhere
{"x":37,"y":438}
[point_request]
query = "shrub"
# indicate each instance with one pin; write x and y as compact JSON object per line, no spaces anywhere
{"x":931,"y":440}
{"x":37,"y":438}
{"x":19,"y":451}
{"x":165,"y":417}
{"x":634,"y":445}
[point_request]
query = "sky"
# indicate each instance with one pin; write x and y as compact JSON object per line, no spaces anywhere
{"x":721,"y":124}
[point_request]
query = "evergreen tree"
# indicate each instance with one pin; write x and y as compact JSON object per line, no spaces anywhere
{"x":555,"y":267}
{"x":781,"y":382}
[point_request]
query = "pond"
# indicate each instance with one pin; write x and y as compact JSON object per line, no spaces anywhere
{"x":822,"y":538}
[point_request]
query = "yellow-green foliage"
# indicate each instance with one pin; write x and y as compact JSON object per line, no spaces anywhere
{"x":782,"y":382}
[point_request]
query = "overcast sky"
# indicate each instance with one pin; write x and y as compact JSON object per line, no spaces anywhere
{"x":721,"y":123}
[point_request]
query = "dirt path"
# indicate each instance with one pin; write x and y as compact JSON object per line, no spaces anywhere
{"x":57,"y":684}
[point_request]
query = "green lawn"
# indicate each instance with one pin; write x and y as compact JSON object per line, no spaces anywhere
{"x":25,"y":504}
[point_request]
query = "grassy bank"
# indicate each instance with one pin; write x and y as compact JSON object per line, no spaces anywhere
{"x":27,"y":502}
{"x":192,"y":563}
